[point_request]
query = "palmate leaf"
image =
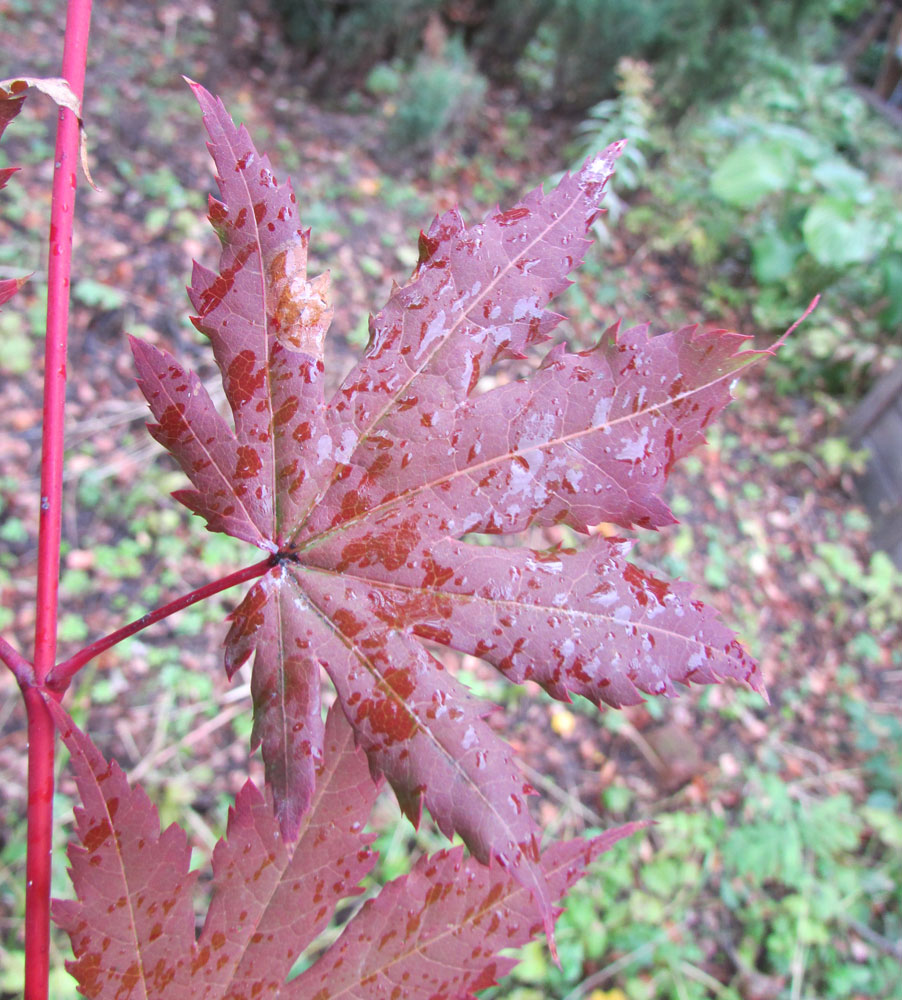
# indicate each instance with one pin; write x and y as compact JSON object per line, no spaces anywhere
{"x":364,"y":501}
{"x":132,"y":926}
{"x":434,"y":933}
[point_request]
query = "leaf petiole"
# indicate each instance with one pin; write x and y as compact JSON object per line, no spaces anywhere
{"x":60,"y":676}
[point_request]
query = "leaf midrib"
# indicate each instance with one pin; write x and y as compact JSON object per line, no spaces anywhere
{"x":564,"y":439}
{"x":264,"y":289}
{"x":384,"y":686}
{"x":392,"y":400}
{"x":511,"y":605}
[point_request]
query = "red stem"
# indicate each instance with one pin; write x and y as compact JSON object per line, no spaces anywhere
{"x":41,"y":738}
{"x":40,"y":726}
{"x":59,"y":269}
{"x":21,"y":668}
{"x":59,"y":677}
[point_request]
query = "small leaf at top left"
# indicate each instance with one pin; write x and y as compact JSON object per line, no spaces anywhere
{"x":10,"y":105}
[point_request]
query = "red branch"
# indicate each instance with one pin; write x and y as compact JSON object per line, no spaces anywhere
{"x":40,"y":725}
{"x":21,"y":668}
{"x":59,"y":677}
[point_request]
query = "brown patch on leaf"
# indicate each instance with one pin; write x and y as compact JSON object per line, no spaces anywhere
{"x":300,"y":311}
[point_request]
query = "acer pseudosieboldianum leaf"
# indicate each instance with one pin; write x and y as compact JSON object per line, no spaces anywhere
{"x":132,"y":925}
{"x":364,"y":500}
{"x":432,"y":934}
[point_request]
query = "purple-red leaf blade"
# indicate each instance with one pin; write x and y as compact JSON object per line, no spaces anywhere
{"x":9,"y":287}
{"x":285,"y":687}
{"x":265,"y":320}
{"x":590,"y":437}
{"x":272,"y":898}
{"x":582,"y":622}
{"x":435,"y":934}
{"x":190,"y":427}
{"x":132,"y":925}
{"x":365,"y":499}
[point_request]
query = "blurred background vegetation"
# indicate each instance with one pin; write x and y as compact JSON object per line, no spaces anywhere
{"x":752,"y":142}
{"x":764,"y":166}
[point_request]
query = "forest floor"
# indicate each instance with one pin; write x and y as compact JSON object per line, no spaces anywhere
{"x":770,"y":528}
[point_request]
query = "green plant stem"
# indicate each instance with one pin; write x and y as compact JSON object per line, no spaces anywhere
{"x":41,"y":734}
{"x":61,"y":675}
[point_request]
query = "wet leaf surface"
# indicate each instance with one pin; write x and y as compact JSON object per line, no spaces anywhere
{"x":363,"y":500}
{"x":433,"y":933}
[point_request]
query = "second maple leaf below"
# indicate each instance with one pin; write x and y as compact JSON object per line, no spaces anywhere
{"x":434,"y":933}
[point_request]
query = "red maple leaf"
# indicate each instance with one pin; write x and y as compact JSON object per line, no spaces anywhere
{"x":364,"y":500}
{"x":432,"y":934}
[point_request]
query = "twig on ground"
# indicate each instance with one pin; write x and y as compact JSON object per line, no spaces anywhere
{"x":195,"y":736}
{"x":564,"y":797}
{"x":893,"y":948}
{"x":618,"y":965}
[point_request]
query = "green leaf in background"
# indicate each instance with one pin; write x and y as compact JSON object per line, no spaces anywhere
{"x":840,"y":178}
{"x":773,"y":257}
{"x":96,"y":294}
{"x":892,"y":289}
{"x":804,"y":146}
{"x":753,"y":171}
{"x":533,"y":966}
{"x":838,"y":233}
